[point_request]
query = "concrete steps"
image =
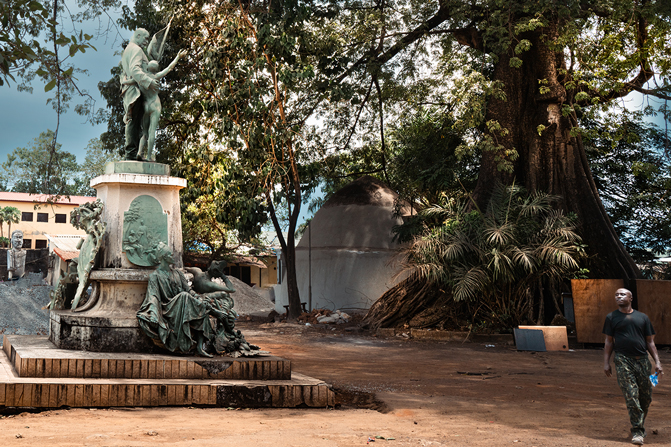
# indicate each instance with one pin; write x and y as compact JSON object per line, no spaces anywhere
{"x":33,"y":373}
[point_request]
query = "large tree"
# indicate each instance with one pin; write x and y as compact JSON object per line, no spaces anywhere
{"x":42,"y":169}
{"x":515,"y":78}
{"x":532,"y":69}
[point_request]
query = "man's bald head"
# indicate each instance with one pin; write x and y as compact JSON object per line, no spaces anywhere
{"x":140,"y":37}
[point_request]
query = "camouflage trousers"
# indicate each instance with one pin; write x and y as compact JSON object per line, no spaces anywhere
{"x":633,"y":378}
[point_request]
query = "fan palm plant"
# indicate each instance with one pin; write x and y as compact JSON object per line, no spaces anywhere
{"x":501,"y":259}
{"x":9,"y":215}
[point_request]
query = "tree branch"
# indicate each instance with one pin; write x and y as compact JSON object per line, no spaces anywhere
{"x":644,"y":75}
{"x":381,"y":58}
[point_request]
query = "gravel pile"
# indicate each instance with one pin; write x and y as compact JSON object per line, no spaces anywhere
{"x":21,"y":304}
{"x":247,"y":301}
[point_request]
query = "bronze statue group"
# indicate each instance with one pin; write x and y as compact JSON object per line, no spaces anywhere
{"x":178,"y":317}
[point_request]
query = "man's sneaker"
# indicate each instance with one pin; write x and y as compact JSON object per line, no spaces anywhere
{"x":637,"y":440}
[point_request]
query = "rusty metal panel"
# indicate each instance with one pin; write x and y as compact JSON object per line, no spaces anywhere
{"x":593,"y":299}
{"x":529,"y":340}
{"x":654,"y":300}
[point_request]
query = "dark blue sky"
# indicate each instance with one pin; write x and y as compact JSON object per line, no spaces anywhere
{"x":24,"y":115}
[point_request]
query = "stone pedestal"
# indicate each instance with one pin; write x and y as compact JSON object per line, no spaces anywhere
{"x":119,"y":187}
{"x":109,"y":322}
{"x":110,"y":325}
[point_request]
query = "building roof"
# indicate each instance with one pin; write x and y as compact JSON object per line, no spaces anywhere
{"x":365,"y":190}
{"x":64,"y":245}
{"x":43,"y":198}
{"x":248,"y":260}
{"x":66,"y":255}
{"x":360,"y":216}
{"x":368,"y":191}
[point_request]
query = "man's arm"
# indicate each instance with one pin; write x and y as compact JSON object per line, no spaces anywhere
{"x":607,"y":352}
{"x":652,"y":349}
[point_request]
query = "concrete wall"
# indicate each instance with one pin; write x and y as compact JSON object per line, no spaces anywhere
{"x":342,"y":279}
{"x":267,"y":277}
{"x":352,"y":247}
{"x":352,"y":258}
{"x":37,"y":261}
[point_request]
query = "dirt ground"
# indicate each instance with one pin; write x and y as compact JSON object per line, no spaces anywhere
{"x":426,"y":393}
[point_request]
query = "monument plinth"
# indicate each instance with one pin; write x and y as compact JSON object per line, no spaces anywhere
{"x":141,"y":209}
{"x":146,"y":198}
{"x":105,"y":350}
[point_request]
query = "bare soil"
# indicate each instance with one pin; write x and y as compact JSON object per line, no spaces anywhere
{"x":421,"y":393}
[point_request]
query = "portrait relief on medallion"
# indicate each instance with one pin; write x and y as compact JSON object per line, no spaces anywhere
{"x":144,"y":226}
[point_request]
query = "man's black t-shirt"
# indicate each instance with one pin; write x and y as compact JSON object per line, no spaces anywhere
{"x":629,"y":332}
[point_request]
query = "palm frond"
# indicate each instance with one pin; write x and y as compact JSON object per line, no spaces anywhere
{"x":470,"y":283}
{"x":500,"y":236}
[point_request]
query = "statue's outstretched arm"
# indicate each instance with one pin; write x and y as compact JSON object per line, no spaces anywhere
{"x":229,"y":285}
{"x":172,"y":65}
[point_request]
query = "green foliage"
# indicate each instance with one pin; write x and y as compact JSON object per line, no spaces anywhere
{"x":632,"y":171}
{"x":94,"y":165}
{"x":43,"y":168}
{"x":38,"y":41}
{"x":421,"y":162}
{"x":8,"y":215}
{"x":500,"y":258}
{"x":220,"y":207}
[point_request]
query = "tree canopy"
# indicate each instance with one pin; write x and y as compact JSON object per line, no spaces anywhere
{"x":39,"y":169}
{"x":295,"y":90}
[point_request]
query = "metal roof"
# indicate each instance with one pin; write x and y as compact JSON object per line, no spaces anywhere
{"x":64,"y":245}
{"x":43,"y":198}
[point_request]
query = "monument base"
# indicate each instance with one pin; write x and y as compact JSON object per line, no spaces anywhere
{"x":69,"y":330}
{"x":109,"y":323}
{"x":34,"y":373}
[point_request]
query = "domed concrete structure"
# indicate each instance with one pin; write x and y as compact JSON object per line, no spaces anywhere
{"x":348,"y":249}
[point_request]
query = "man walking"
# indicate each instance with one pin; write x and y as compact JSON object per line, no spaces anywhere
{"x":630,"y":333}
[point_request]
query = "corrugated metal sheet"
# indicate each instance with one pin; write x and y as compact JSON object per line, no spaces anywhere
{"x":43,"y":198}
{"x":66,"y":255}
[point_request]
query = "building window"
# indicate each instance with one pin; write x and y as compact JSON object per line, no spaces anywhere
{"x":61,"y":218}
{"x":41,"y":243}
{"x":27,"y":217}
{"x":28,"y":243}
{"x":42,"y":217}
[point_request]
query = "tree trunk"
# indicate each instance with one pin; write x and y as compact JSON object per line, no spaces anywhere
{"x":292,"y":284}
{"x":553,"y":161}
{"x":289,"y":247}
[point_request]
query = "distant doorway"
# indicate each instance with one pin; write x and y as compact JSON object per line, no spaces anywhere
{"x":242,"y":272}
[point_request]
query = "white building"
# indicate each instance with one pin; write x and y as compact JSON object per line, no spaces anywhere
{"x":345,"y":257}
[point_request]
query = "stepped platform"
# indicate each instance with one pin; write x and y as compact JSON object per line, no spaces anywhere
{"x":34,"y":356}
{"x":34,"y":373}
